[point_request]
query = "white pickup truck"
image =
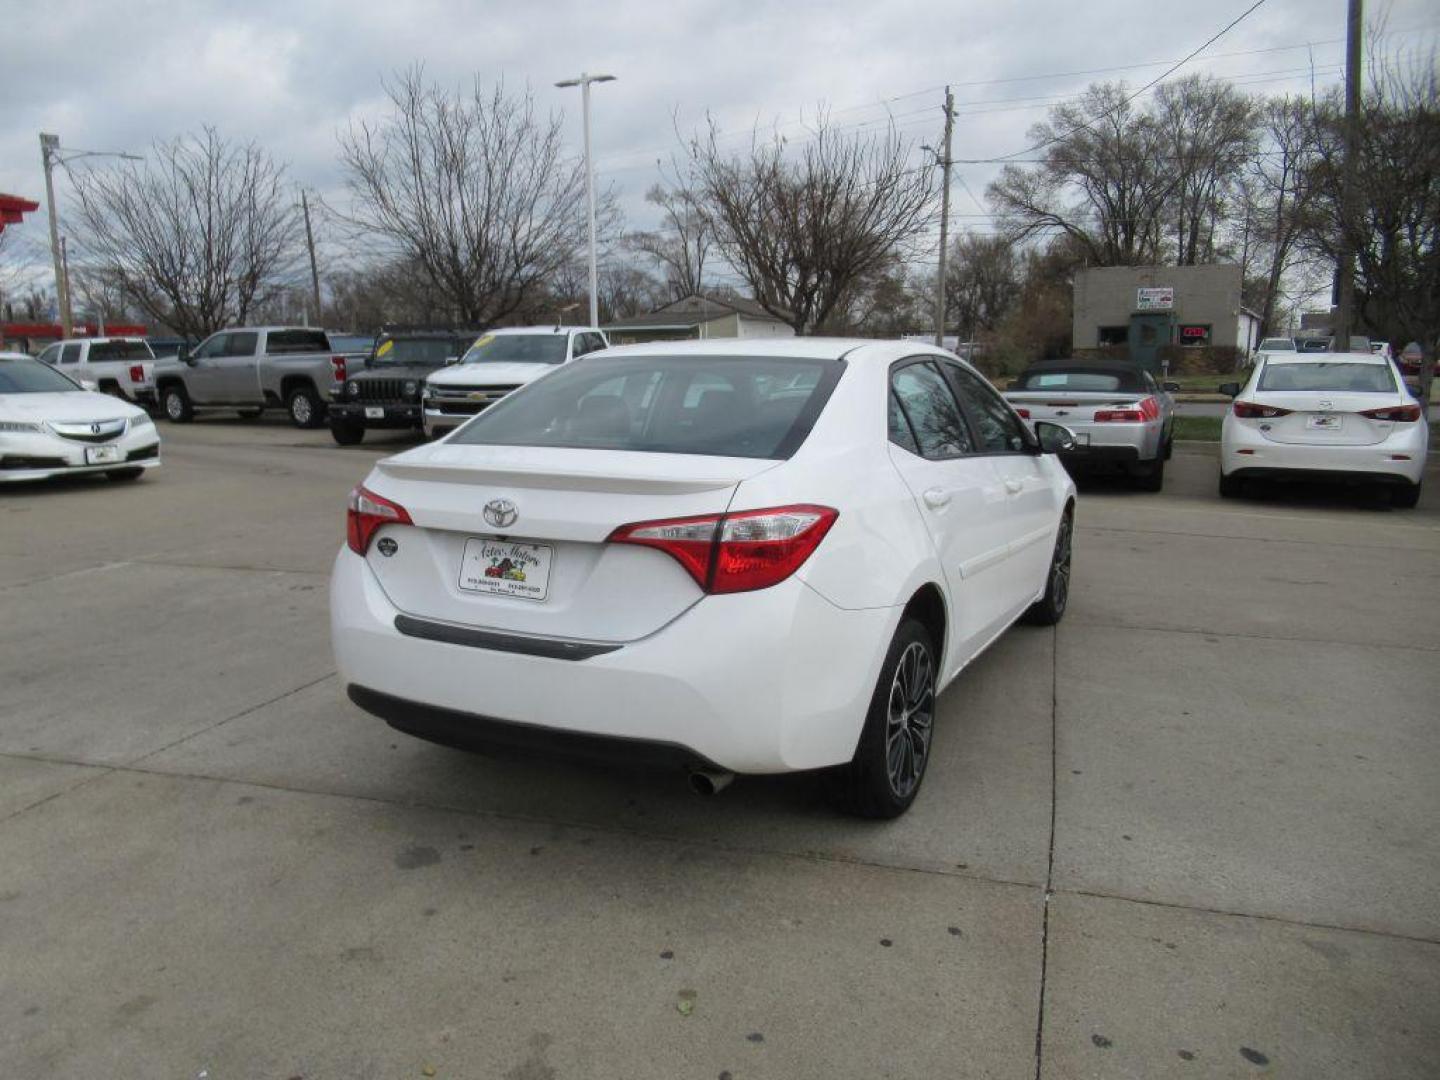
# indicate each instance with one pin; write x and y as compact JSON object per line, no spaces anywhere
{"x":250,"y":369}
{"x":122,"y":366}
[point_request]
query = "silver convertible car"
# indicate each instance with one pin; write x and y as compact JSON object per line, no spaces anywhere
{"x":50,"y":426}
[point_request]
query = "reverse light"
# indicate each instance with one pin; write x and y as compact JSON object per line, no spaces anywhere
{"x":1249,"y":410}
{"x":367,"y":512}
{"x":730,"y":553}
{"x":1404,"y":414}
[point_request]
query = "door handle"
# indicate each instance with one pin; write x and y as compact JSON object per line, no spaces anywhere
{"x":936,"y":497}
{"x":1014,"y":487}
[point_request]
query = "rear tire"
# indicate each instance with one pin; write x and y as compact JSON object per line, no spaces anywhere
{"x":1405,"y":496}
{"x":884,"y":776}
{"x":347,"y":434}
{"x":175,"y":404}
{"x":124,"y":474}
{"x":1231,"y":487}
{"x":1050,"y":608}
{"x":1151,"y":477}
{"x":306,"y":408}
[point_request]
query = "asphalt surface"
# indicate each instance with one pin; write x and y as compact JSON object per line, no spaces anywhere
{"x":1190,"y":832}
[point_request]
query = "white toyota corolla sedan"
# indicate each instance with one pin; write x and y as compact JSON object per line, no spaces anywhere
{"x":738,"y":557}
{"x":52,"y":426}
{"x":1341,"y":417}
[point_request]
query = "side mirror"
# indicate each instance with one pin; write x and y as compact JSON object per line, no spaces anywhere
{"x":1229,"y":389}
{"x":183,"y":355}
{"x":1170,"y":387}
{"x":1054,"y":438}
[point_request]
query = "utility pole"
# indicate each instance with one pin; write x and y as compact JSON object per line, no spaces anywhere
{"x":944,"y":220}
{"x":1344,"y":322}
{"x":49,"y":145}
{"x":584,"y":82}
{"x":310,"y":244}
{"x":68,"y":314}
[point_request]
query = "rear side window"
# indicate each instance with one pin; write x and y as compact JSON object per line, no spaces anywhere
{"x":290,"y":341}
{"x":928,"y":406}
{"x":755,"y":407}
{"x":119,"y":350}
{"x":1326,"y":377}
{"x":70,"y":354}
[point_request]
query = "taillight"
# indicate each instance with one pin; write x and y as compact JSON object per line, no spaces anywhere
{"x":1024,"y":414}
{"x":137,"y":373}
{"x":337,"y":364}
{"x":1248,"y":410}
{"x":730,"y":553}
{"x":367,"y":512}
{"x":1143,"y":410}
{"x":1404,"y":414}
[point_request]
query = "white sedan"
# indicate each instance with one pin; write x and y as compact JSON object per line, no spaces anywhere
{"x":52,"y":426}
{"x":735,"y":557}
{"x":1324,"y":416}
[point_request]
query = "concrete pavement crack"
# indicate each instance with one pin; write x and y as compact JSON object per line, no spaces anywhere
{"x":1050,"y":854}
{"x":1199,"y":631}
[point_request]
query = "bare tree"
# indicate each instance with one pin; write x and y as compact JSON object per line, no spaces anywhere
{"x":1208,"y":133}
{"x":473,"y":190}
{"x":1103,"y":181}
{"x":680,"y":246}
{"x":982,"y":283}
{"x":197,"y":236}
{"x":804,"y":226}
{"x":1396,"y":233}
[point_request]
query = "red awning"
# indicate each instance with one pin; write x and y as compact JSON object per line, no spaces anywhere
{"x":13,"y":208}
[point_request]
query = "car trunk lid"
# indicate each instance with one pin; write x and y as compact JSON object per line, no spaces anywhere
{"x":547,"y":570}
{"x":1068,"y":407}
{"x":1324,"y":419}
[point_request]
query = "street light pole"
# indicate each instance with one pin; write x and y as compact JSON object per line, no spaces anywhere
{"x":49,"y":144}
{"x":584,"y":82}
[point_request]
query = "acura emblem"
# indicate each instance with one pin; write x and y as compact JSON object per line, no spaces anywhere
{"x":94,"y":429}
{"x":501,"y":513}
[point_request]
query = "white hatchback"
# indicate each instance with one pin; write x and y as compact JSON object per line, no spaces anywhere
{"x":738,"y":557}
{"x":1324,"y":416}
{"x":52,"y":426}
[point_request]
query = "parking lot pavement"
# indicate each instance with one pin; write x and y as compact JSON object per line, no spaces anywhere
{"x":1218,"y":771}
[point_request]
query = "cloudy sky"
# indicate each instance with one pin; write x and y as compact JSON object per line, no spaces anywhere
{"x":117,"y":74}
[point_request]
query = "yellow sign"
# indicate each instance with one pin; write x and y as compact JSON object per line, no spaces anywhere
{"x":385,"y":348}
{"x":483,"y":341}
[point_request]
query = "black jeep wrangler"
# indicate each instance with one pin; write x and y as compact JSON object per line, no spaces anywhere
{"x":386,"y":392}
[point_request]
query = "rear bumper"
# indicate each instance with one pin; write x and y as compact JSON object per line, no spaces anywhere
{"x":764,"y":682}
{"x":1244,"y":453}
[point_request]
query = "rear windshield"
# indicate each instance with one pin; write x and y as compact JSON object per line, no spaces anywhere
{"x":753,"y":407}
{"x":1338,"y":377}
{"x":296,"y":341}
{"x":432,"y":351}
{"x":31,"y":377}
{"x":518,"y":349}
{"x":1079,"y":381}
{"x":101,"y":351}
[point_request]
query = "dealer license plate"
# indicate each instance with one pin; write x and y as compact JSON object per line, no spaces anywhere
{"x":101,"y":455}
{"x":374,"y":412}
{"x":1324,"y":422}
{"x":506,"y":569}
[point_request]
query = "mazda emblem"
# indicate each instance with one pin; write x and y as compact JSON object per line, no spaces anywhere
{"x":501,"y":513}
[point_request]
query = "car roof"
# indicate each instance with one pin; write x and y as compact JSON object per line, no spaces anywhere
{"x":512,"y":330}
{"x":98,"y":340}
{"x":799,"y":348}
{"x":1328,"y":358}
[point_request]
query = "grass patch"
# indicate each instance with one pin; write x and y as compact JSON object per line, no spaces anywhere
{"x":1201,"y":428}
{"x":1204,"y":384}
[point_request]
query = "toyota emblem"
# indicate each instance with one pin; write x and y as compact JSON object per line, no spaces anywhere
{"x":501,"y":513}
